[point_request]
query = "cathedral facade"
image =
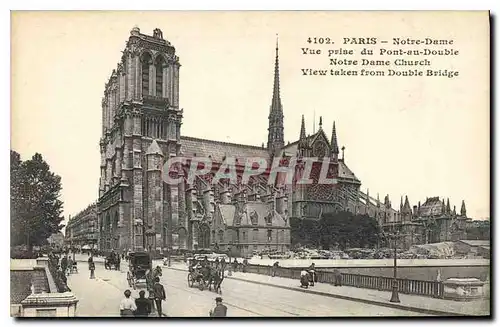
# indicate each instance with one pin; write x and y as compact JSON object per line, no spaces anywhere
{"x":141,"y":130}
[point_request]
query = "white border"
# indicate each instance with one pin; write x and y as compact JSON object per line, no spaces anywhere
{"x":8,"y":5}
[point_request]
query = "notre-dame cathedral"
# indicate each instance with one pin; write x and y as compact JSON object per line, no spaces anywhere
{"x":141,"y":129}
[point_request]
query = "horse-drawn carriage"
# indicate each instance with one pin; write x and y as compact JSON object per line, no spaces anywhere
{"x":139,"y":264}
{"x":205,"y":274}
{"x":112,"y":261}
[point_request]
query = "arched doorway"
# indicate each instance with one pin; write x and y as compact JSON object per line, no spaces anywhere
{"x":204,"y":237}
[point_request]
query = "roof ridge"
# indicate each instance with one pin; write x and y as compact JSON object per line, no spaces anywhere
{"x":222,"y":142}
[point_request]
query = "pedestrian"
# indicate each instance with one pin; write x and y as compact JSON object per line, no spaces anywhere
{"x":220,"y":309}
{"x":338,"y":277}
{"x":91,"y":267}
{"x":143,"y":305}
{"x":127,"y":305}
{"x":275,"y":268}
{"x":159,"y":295}
{"x":70,"y":266}
{"x":64,"y":264}
{"x":312,"y":273}
{"x":118,"y":263}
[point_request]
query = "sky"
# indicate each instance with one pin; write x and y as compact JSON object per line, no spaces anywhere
{"x":415,"y":137}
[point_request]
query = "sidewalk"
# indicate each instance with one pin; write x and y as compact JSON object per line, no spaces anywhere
{"x":99,"y":297}
{"x":414,"y":303}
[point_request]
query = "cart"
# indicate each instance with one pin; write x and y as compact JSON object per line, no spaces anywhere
{"x":139,"y":264}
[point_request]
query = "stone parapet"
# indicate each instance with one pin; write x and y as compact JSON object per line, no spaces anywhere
{"x":49,"y":305}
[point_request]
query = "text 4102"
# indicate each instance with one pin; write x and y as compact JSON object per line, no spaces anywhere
{"x":319,"y":40}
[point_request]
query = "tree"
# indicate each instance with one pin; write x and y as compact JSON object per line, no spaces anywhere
{"x":305,"y":231}
{"x":35,"y":205}
{"x":348,"y":230}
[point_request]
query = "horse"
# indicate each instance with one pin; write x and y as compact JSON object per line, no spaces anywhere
{"x":215,"y":279}
{"x":157,"y":272}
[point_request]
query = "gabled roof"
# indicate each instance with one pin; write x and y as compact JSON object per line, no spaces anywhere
{"x":318,"y":134}
{"x":431,"y":207}
{"x":345,"y":172}
{"x":218,"y":150}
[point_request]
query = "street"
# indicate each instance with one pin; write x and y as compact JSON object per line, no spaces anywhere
{"x":101,"y":298}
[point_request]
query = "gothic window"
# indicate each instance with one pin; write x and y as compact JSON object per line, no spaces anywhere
{"x":269,"y":235}
{"x":255,"y":235}
{"x":146,"y":62}
{"x":159,"y":76}
{"x":221,"y":236}
{"x":245,"y":237}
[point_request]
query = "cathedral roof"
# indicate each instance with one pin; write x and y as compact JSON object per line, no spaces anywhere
{"x":218,"y":150}
{"x":345,"y":172}
{"x":431,"y":207}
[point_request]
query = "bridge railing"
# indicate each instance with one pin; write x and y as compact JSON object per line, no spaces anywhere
{"x":405,"y":286}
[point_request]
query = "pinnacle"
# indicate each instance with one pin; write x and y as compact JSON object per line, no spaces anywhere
{"x":154,"y":148}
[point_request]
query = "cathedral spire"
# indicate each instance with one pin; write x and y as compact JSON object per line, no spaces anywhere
{"x":275,"y":139}
{"x":406,"y":206}
{"x":303,"y":129}
{"x":276,"y":102}
{"x":463,"y":212}
{"x":333,"y":143}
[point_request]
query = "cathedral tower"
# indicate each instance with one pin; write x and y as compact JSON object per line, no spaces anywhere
{"x":140,"y":130}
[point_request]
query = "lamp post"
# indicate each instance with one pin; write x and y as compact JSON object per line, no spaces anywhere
{"x":394,"y":236}
{"x":395,"y":295}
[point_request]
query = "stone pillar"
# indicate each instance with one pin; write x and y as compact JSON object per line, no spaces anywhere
{"x":103,"y":108}
{"x":173,"y":220}
{"x":154,"y":194}
{"x":164,"y":82}
{"x":107,"y":182}
{"x":118,"y":165}
{"x":121,"y":75}
{"x":194,"y":234}
{"x":170,"y":83}
{"x":152,"y":78}
{"x":176,"y":86}
{"x":130,"y":76}
{"x":137,"y":180}
{"x":138,"y":78}
{"x":110,"y":107}
{"x":182,"y":202}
